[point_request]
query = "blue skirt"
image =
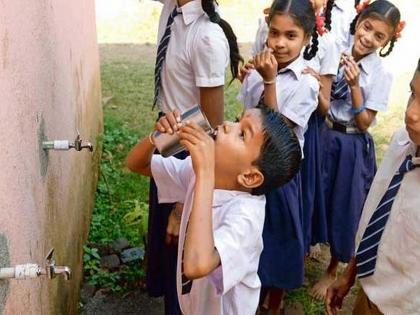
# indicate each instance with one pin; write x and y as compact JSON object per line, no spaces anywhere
{"x":348,"y":168}
{"x":314,"y":212}
{"x":282,"y":259}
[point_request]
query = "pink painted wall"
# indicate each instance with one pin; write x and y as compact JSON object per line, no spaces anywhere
{"x":49,"y":87}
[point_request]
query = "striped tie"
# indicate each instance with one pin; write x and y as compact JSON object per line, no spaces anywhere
{"x":368,"y":247}
{"x":161,"y":53}
{"x":339,"y":88}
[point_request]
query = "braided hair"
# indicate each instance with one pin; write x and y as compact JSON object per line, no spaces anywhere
{"x":303,"y":14}
{"x":235,"y":57}
{"x":328,"y":10}
{"x":384,"y":11}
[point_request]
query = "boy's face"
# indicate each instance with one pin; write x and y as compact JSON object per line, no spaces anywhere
{"x":412,"y":114}
{"x":238,"y":144}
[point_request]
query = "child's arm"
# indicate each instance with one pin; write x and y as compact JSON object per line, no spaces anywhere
{"x":340,"y":288}
{"x":266,"y":65}
{"x":200,"y":254}
{"x":363,"y":117}
{"x":212,"y":104}
{"x":139,"y":158}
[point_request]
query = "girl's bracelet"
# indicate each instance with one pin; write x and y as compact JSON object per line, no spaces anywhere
{"x":151,"y":139}
{"x":270,"y":82}
{"x":356,"y":111}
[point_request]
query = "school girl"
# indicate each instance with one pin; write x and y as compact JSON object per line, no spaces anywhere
{"x":323,"y":66}
{"x":194,"y":48}
{"x":360,"y":89}
{"x":279,"y":82}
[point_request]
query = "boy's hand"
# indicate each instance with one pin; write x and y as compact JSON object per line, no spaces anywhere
{"x":201,"y":147}
{"x":266,"y":65}
{"x":336,"y":294}
{"x":169,"y":123}
{"x":245,"y":70}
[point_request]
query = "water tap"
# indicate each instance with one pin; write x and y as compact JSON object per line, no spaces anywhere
{"x":77,"y":144}
{"x":27,"y":271}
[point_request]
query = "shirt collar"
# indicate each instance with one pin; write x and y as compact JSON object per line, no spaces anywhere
{"x":222,"y":196}
{"x":296,"y":67}
{"x":339,"y":5}
{"x":368,"y":62}
{"x":411,"y":147}
{"x":191,"y":11}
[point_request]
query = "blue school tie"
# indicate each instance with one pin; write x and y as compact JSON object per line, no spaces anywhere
{"x":368,"y":247}
{"x":161,"y":53}
{"x":339,"y":88}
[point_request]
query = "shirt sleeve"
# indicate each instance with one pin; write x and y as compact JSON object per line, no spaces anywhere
{"x":331,"y":57}
{"x":238,"y":242}
{"x":300,"y":105}
{"x":172,"y":177}
{"x":378,"y":92}
{"x":210,"y":56}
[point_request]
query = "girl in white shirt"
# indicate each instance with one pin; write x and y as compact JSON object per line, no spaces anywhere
{"x":360,"y":89}
{"x":279,"y":82}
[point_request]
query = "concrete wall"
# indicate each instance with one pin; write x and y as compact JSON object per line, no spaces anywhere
{"x":49,"y":87}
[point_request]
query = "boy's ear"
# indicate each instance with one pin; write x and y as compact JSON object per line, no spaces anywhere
{"x":251,"y":178}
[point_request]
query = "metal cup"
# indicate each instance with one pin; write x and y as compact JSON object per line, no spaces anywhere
{"x":168,"y":144}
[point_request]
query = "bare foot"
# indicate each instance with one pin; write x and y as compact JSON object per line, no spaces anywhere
{"x":319,"y":290}
{"x":315,"y":252}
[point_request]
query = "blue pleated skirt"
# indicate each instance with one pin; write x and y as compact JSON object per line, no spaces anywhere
{"x":314,"y":213}
{"x":348,"y":169}
{"x":282,"y":259}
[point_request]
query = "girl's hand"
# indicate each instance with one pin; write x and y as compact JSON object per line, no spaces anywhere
{"x":245,"y":70}
{"x":169,"y":123}
{"x":312,"y":72}
{"x":336,"y":294}
{"x":266,"y":65}
{"x":351,"y":72}
{"x":201,"y":148}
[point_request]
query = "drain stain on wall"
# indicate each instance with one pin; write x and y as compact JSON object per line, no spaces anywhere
{"x":4,"y":262}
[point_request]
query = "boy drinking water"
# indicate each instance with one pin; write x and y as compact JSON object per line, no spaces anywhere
{"x":222,"y":187}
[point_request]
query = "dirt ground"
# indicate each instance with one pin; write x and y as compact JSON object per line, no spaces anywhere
{"x":138,"y":302}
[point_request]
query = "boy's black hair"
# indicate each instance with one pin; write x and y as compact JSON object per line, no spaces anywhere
{"x":328,"y":9}
{"x":418,"y":66}
{"x":235,"y":57}
{"x":385,"y":11}
{"x":303,"y":14}
{"x":280,"y":155}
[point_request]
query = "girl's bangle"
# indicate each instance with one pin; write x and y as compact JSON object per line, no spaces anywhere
{"x":270,"y":82}
{"x":356,"y":111}
{"x":151,"y":139}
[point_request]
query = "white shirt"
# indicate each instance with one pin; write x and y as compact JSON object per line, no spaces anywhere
{"x":197,"y":56}
{"x":260,"y":37}
{"x":327,"y":58}
{"x":375,"y":82}
{"x":238,"y":220}
{"x":297,"y":94}
{"x":342,"y":15}
{"x":395,"y":285}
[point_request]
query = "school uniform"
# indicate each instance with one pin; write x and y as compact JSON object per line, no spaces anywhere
{"x":238,"y":219}
{"x":342,"y":15}
{"x":314,"y":220}
{"x":281,"y":263}
{"x":260,"y":37}
{"x":196,"y":56}
{"x":395,"y":285}
{"x":349,"y":157}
